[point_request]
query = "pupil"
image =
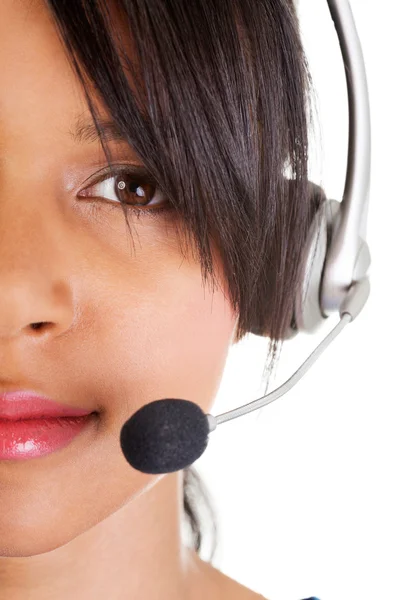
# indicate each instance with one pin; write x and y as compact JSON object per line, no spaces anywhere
{"x":131,"y":188}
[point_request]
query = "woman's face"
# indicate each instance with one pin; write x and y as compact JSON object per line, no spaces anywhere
{"x":127,"y":327}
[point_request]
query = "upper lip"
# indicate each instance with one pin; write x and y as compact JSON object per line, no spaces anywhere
{"x":26,"y":404}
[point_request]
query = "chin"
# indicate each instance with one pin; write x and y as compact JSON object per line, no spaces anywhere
{"x":22,"y":544}
{"x":29,"y":530}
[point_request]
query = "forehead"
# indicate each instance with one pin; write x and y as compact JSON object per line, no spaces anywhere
{"x":37,"y":86}
{"x":39,"y":90}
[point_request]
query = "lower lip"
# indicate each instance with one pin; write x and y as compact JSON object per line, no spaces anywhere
{"x":30,"y":438}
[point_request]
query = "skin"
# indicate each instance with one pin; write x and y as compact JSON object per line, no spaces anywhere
{"x":125,"y":329}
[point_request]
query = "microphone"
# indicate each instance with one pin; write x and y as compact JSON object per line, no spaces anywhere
{"x":170,"y":434}
{"x":165,"y":436}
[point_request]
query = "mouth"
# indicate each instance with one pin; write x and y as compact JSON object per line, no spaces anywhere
{"x":26,"y":438}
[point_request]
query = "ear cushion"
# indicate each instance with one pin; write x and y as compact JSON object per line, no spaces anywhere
{"x":307,"y":315}
{"x":306,"y":306}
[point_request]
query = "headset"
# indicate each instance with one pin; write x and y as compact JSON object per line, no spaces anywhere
{"x":170,"y":434}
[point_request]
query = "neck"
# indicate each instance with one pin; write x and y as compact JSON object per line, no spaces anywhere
{"x":137,"y":552}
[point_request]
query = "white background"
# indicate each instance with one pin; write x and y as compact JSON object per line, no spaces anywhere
{"x":307,"y":489}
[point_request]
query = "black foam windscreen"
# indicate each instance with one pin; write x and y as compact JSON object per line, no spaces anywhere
{"x":165,"y":436}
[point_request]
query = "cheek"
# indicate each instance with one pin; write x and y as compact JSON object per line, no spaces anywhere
{"x":150,"y":326}
{"x":166,"y":333}
{"x":175,"y":342}
{"x":194,"y":340}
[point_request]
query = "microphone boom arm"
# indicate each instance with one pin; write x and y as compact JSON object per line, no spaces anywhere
{"x":351,"y":307}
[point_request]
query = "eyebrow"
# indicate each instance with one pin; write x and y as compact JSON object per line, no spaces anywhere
{"x":85,"y":132}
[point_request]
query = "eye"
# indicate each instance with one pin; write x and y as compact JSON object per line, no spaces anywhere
{"x":132,"y":186}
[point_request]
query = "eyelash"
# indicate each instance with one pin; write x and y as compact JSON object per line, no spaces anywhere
{"x":141,"y":177}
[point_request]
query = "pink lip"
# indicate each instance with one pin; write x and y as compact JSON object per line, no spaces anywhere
{"x":32,"y":426}
{"x":25,"y":404}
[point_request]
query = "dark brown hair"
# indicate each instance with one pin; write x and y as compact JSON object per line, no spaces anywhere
{"x":219,"y":114}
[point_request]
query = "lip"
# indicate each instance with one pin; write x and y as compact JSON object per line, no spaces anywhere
{"x":25,"y":404}
{"x":32,"y":425}
{"x":31,"y":438}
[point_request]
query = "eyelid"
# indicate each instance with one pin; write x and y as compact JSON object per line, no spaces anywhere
{"x":138,"y":171}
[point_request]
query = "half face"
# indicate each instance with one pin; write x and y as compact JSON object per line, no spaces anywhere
{"x":124,"y":326}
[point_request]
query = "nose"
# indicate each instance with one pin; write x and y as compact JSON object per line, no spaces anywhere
{"x":36,"y":295}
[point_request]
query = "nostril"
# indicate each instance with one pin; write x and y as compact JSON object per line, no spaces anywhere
{"x":38,"y":325}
